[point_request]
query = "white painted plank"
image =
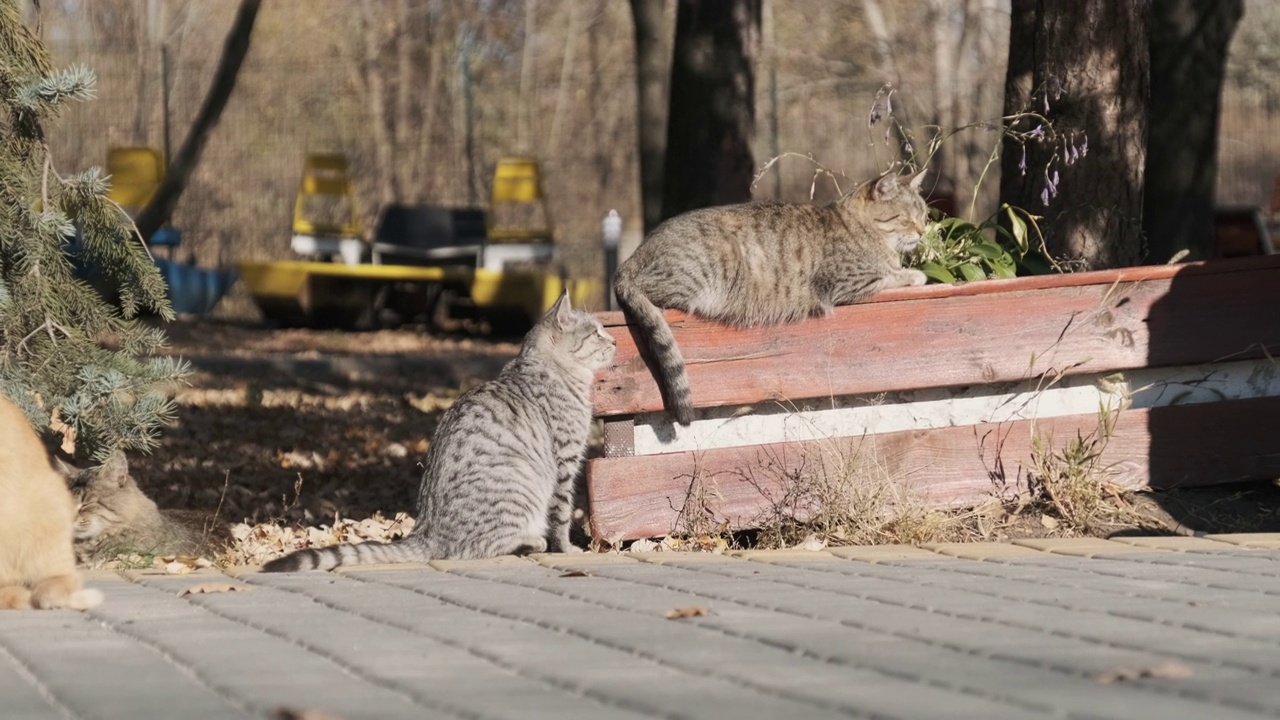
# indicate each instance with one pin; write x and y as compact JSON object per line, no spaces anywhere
{"x":948,"y":407}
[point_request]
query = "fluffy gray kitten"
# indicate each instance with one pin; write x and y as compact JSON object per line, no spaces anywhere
{"x":500,"y":471}
{"x":765,"y":263}
{"x":114,"y":516}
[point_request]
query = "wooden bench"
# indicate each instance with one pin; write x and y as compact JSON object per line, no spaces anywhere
{"x":947,"y":387}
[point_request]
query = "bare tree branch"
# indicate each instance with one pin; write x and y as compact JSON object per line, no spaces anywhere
{"x":183,"y":164}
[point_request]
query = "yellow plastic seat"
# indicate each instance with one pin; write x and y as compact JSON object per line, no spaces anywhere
{"x":324,"y":191}
{"x":136,"y":173}
{"x":518,"y":206}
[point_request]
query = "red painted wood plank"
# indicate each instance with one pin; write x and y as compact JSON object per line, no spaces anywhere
{"x":987,"y":332}
{"x":1040,"y":282}
{"x":1188,"y":445}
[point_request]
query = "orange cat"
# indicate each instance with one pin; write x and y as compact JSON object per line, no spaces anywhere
{"x":37,"y":563}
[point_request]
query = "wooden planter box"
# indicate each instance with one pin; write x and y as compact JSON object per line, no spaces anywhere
{"x":943,"y":389}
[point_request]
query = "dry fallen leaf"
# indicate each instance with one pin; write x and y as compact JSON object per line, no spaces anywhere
{"x":576,"y":573}
{"x":68,"y":432}
{"x":1049,"y":523}
{"x":1172,"y":670}
{"x":180,"y":564}
{"x":687,"y":612}
{"x":176,"y":568}
{"x":644,"y":545}
{"x":811,"y":543}
{"x":255,"y":544}
{"x":213,"y":587}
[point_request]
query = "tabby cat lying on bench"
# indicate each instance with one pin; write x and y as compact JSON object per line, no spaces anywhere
{"x":765,"y":263}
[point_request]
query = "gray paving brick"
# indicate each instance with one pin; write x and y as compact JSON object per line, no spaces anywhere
{"x":1251,"y":618}
{"x":920,"y":661}
{"x":1249,"y":563}
{"x":684,"y":646}
{"x":787,"y":636}
{"x":1008,"y":672}
{"x":1193,"y":577}
{"x":22,"y":695}
{"x":443,"y":676}
{"x":1057,"y":579}
{"x":265,"y":672}
{"x":579,"y":663}
{"x":1240,"y":692}
{"x":92,"y":670}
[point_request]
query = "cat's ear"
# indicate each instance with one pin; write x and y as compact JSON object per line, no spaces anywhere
{"x":64,"y":468}
{"x":886,"y":187}
{"x":115,"y":470}
{"x":562,"y":312}
{"x":75,"y":478}
{"x":917,"y":181}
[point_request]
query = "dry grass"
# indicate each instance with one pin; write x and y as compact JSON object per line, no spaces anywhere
{"x":845,"y":495}
{"x":840,"y":495}
{"x":1069,"y":487}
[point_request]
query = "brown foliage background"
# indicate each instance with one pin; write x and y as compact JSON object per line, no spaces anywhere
{"x":382,"y":81}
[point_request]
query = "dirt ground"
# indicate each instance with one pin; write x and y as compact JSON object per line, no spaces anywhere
{"x":300,"y":425}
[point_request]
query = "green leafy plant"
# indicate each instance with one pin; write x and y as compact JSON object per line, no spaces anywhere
{"x":955,"y":249}
{"x":1008,"y":242}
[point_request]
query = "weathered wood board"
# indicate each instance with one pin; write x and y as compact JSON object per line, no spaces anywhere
{"x":977,"y":339}
{"x":1189,"y":445}
{"x":981,"y":333}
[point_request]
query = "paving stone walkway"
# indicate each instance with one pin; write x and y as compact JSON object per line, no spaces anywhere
{"x":1144,"y":627}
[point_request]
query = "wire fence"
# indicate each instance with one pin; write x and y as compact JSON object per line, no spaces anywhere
{"x":240,"y":201}
{"x":1248,"y":150}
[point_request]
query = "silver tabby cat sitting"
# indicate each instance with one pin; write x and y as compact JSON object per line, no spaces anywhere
{"x":501,"y":468}
{"x":765,"y":263}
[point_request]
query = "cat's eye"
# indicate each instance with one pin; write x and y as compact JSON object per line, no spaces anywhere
{"x":895,"y":216}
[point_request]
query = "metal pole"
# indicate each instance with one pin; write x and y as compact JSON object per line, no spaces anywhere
{"x":612,"y":235}
{"x":164,"y":97}
{"x":164,"y":102}
{"x":464,"y":63}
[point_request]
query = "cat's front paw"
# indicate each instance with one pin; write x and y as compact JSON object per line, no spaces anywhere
{"x":911,"y":278}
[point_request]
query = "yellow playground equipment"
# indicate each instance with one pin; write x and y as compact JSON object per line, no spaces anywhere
{"x":517,"y":186}
{"x":421,"y":262}
{"x":135,"y":173}
{"x":326,"y":219}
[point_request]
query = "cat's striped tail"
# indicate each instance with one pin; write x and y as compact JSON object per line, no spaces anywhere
{"x":409,"y":549}
{"x":665,"y":354}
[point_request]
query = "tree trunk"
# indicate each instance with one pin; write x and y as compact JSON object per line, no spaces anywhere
{"x":384,"y":173}
{"x":566,"y":75}
{"x":884,"y":42}
{"x":183,"y":164}
{"x":528,"y":90}
{"x":712,"y":111}
{"x":435,"y":92}
{"x":1083,"y":65}
{"x":407,"y":132}
{"x":1189,"y":40}
{"x":986,"y":97}
{"x":883,"y":39}
{"x":652,"y":66}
